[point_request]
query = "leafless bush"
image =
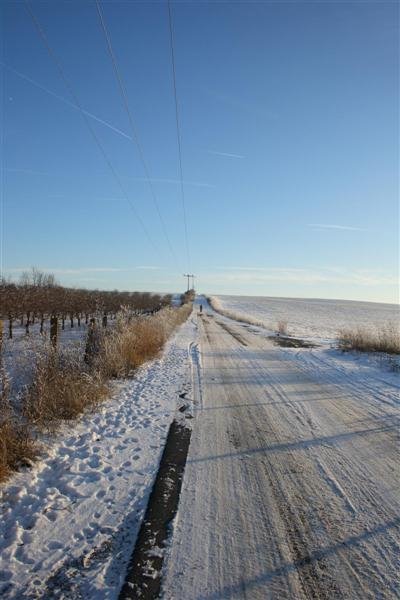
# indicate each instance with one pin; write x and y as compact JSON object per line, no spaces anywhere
{"x":281,"y":327}
{"x":385,"y":339}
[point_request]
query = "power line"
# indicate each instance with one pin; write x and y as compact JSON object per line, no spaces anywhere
{"x":178,"y":132}
{"x":188,"y":275}
{"x":135,"y":136}
{"x":70,"y":89}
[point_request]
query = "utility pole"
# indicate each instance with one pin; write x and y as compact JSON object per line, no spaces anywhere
{"x":188,"y":275}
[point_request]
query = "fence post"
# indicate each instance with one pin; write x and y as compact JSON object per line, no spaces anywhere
{"x":54,"y":331}
{"x":3,"y":377}
{"x":92,"y":342}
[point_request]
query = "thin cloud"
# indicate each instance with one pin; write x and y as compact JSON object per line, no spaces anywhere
{"x":62,"y":99}
{"x":147,"y":268}
{"x":69,"y":271}
{"x":227,"y":154}
{"x":328,"y":275}
{"x":330,"y":226}
{"x":83,"y":270}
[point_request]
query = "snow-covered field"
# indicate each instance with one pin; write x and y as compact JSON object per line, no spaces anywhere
{"x":310,"y":318}
{"x":69,"y":524}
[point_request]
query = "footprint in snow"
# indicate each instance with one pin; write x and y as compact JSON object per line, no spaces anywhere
{"x":54,"y":545}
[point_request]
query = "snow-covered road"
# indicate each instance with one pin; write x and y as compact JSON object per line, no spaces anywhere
{"x":291,"y":485}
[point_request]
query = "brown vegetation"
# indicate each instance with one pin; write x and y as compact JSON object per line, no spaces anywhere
{"x":67,"y":382}
{"x":37,"y":297}
{"x":282,"y":327}
{"x":134,"y":341}
{"x":386,"y":339}
{"x":17,"y":447}
{"x":62,"y":388}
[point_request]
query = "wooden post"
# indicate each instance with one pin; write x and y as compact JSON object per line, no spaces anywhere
{"x":54,"y":331}
{"x":92,"y":342}
{"x":27,"y":323}
{"x":105,"y":319}
{"x":3,"y":377}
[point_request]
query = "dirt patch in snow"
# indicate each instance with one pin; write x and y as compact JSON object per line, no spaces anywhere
{"x":290,"y":342}
{"x":144,"y":572}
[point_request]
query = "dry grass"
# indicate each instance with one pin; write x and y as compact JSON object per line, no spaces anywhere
{"x":62,"y":389}
{"x":135,"y":341}
{"x":17,"y":447}
{"x":281,"y":327}
{"x":386,"y":339}
{"x":63,"y":386}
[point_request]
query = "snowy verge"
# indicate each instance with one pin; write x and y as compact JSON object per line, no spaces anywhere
{"x":70,"y":522}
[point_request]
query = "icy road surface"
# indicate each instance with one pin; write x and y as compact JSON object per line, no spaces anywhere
{"x":291,"y":484}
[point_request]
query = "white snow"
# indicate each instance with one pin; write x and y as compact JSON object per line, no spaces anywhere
{"x":69,"y":524}
{"x":319,"y":321}
{"x":311,"y":318}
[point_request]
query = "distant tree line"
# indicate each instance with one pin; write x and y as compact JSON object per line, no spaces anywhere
{"x":37,"y":296}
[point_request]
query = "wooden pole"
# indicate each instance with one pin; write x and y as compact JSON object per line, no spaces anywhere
{"x":54,"y":331}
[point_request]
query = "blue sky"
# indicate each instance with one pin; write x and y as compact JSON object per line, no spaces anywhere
{"x":289,"y":127}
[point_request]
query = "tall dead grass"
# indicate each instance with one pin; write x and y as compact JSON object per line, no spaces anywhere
{"x":134,"y":341}
{"x":17,"y":447}
{"x":63,"y":385}
{"x":282,"y":327}
{"x":385,"y":339}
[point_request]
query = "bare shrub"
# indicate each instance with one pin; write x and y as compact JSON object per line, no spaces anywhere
{"x":281,"y":327}
{"x":17,"y":447}
{"x":386,"y":339}
{"x":62,"y":388}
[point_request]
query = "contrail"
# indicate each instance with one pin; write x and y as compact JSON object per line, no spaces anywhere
{"x":228,"y":154}
{"x":330,"y":226}
{"x":45,"y":89}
